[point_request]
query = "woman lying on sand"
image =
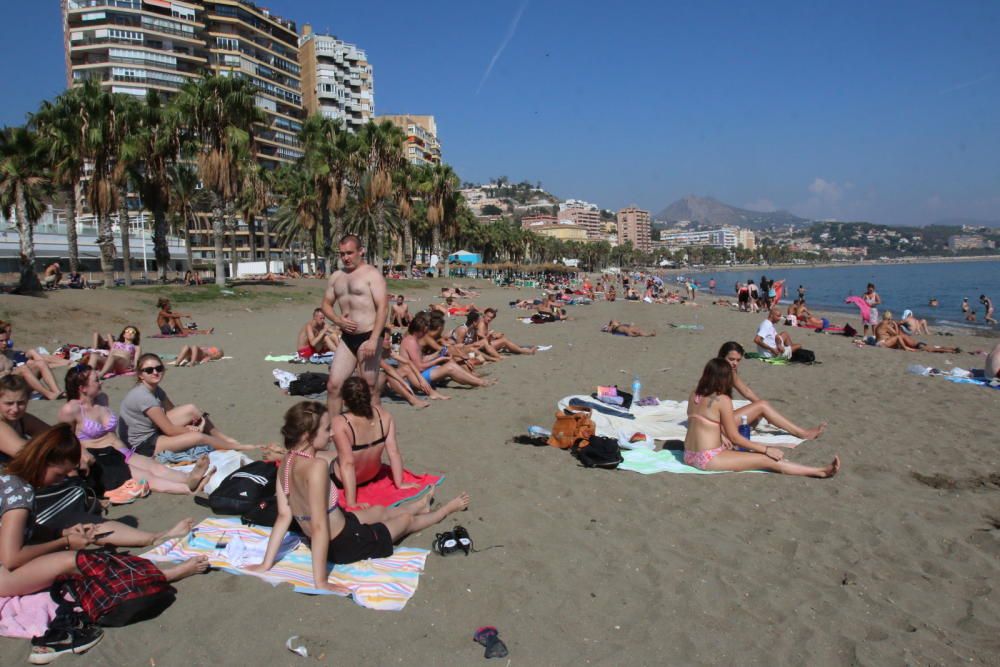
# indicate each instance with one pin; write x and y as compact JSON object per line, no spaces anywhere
{"x":732,"y":352}
{"x":712,"y":432}
{"x":123,"y":353}
{"x":16,"y":425}
{"x":616,"y":327}
{"x":152,"y":425}
{"x":32,"y":555}
{"x":888,"y":334}
{"x":36,"y":373}
{"x":361,"y":435}
{"x":193,"y":355}
{"x":94,"y":424}
{"x":306,"y":494}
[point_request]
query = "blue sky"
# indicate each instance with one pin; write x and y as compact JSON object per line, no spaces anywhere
{"x":884,"y":111}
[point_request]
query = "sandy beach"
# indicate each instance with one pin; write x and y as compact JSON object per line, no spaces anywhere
{"x":895,"y":561}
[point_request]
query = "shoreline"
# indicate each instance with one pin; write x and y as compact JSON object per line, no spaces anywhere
{"x":830,"y":265}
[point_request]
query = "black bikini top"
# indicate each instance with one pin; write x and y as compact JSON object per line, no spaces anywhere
{"x":354,"y":438}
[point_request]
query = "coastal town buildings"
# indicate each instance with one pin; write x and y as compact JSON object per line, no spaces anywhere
{"x":563,"y":231}
{"x":421,"y":145}
{"x":634,"y":226}
{"x":531,"y":221}
{"x":337,"y":79}
{"x":969,"y":242}
{"x":725,"y":237}
{"x":583,"y":215}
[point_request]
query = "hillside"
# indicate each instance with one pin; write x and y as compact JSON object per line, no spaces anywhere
{"x":710,"y":212}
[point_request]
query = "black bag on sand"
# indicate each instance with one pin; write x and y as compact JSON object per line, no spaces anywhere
{"x":803,"y":356}
{"x":602,"y":452}
{"x":244,"y":489}
{"x":308,"y":384}
{"x":265,"y":513}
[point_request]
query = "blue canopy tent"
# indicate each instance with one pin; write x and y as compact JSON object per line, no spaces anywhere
{"x":466,"y":257}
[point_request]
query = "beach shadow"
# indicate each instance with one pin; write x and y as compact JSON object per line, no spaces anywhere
{"x":939,"y":481}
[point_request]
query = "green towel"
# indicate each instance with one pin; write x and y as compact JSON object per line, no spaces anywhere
{"x":279,"y":357}
{"x":645,"y":462}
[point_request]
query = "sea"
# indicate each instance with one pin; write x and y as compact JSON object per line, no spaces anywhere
{"x":901,"y":286}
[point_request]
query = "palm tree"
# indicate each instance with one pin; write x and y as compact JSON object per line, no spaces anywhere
{"x":254,"y":201}
{"x":406,"y":185}
{"x":23,"y":186}
{"x":440,"y":189}
{"x":300,"y":210}
{"x":370,"y":216}
{"x":219,"y":114}
{"x":184,"y":203}
{"x":60,"y":125}
{"x":332,"y":159}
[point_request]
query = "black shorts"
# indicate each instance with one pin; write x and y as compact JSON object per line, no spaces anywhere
{"x":353,"y":341}
{"x":148,"y":446}
{"x":358,"y":541}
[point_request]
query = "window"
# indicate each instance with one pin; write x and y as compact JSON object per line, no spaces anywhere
{"x":130,"y":35}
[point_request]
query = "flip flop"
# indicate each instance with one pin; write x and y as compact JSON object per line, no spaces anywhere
{"x":463,"y":539}
{"x":489,"y":637}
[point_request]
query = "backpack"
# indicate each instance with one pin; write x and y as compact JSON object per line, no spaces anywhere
{"x":243,"y":489}
{"x":573,"y":426}
{"x":61,"y":505}
{"x":265,"y":513}
{"x":602,"y":452}
{"x":114,"y":589}
{"x":803,"y":356}
{"x":308,"y":384}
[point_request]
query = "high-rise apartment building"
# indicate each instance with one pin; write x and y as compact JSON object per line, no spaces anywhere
{"x":634,"y":225}
{"x":337,"y":80}
{"x":586,"y":216}
{"x":421,"y":146}
{"x":132,"y":46}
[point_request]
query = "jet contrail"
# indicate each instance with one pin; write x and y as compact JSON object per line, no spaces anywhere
{"x":503,"y":45}
{"x":966,"y":84}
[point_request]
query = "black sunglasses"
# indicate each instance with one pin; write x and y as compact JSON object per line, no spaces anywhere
{"x":149,"y":370}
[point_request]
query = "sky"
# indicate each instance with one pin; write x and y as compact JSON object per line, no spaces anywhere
{"x":886,"y":111}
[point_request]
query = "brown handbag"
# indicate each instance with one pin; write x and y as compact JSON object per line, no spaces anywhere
{"x":573,"y":427}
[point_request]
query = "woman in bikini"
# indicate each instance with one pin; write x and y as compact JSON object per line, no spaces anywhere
{"x":467,"y":336}
{"x":732,"y":352}
{"x":32,"y":555}
{"x":712,"y":432}
{"x":192,"y":355}
{"x":403,"y":378}
{"x":361,"y":436}
{"x":94,"y":424}
{"x":616,"y":327}
{"x":123,"y":353}
{"x":16,"y":425}
{"x":306,"y":494}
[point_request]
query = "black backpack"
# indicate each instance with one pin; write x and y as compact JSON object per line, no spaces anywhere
{"x":803,"y":356}
{"x":308,"y":384}
{"x":602,"y":452}
{"x":244,"y":489}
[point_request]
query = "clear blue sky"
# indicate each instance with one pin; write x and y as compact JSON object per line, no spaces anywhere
{"x":885,"y":111}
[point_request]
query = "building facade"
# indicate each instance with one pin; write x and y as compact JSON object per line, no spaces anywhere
{"x":132,"y":46}
{"x":337,"y":79}
{"x":585,"y":216}
{"x":634,"y":225}
{"x":421,"y":145}
{"x":529,"y":221}
{"x":968,"y":242}
{"x":717,"y":238}
{"x":563,"y":231}
{"x":745,"y":238}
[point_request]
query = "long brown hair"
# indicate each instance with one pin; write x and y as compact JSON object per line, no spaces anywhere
{"x":357,"y":397}
{"x":717,"y":378}
{"x":53,"y":446}
{"x":302,"y":419}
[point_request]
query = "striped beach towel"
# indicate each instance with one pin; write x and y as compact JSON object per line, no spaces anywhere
{"x":379,"y":583}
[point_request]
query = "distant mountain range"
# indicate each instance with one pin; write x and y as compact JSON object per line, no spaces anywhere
{"x":711,"y":212}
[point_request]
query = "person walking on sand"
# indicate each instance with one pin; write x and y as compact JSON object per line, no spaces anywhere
{"x":988,"y":305}
{"x":359,"y":291}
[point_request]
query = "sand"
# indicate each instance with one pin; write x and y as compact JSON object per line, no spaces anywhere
{"x":609,"y":567}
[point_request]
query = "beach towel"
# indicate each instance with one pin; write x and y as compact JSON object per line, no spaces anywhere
{"x":187,"y":332}
{"x":225,"y":462}
{"x":381,"y":490}
{"x":379,"y":583}
{"x":646,"y":462}
{"x":296,"y":359}
{"x":26,"y":616}
{"x":862,"y":306}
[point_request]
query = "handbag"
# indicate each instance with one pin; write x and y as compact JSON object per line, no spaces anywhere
{"x":573,"y":427}
{"x":59,"y":506}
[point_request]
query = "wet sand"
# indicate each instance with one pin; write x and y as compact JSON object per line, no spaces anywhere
{"x":894,"y":561}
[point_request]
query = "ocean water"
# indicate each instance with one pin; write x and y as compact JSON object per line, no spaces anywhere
{"x":901,"y":286}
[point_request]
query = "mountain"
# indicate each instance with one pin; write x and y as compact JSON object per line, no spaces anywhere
{"x":711,"y":212}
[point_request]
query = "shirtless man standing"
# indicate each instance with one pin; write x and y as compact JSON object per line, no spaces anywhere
{"x":359,"y":291}
{"x":316,"y":336}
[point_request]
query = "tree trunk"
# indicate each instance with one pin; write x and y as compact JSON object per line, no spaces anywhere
{"x":187,"y":245}
{"x":326,"y":229}
{"x":28,"y":282}
{"x":160,"y":250}
{"x":407,"y":244}
{"x":126,"y":250}
{"x":71,"y":239}
{"x":106,"y":241}
{"x":235,"y":259}
{"x":218,"y":237}
{"x":252,"y":232}
{"x":266,"y":224}
{"x":436,"y":246}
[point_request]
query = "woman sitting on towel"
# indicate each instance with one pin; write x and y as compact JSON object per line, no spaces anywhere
{"x":361,"y":436}
{"x":732,"y":352}
{"x":32,"y":555}
{"x":94,"y":424}
{"x":713,"y":435}
{"x":152,"y":425}
{"x":306,"y":494}
{"x":123,"y":352}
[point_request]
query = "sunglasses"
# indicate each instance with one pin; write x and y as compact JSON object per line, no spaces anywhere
{"x":149,"y":370}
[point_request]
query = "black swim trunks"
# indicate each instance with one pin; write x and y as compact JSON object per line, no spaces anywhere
{"x":358,"y":541}
{"x":353,"y":341}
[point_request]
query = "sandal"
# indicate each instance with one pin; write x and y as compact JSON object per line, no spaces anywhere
{"x":490,"y":638}
{"x":445,"y":544}
{"x":463,"y":539}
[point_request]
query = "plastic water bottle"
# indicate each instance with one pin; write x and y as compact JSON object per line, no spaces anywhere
{"x":636,"y":387}
{"x":539,"y":431}
{"x":744,"y":427}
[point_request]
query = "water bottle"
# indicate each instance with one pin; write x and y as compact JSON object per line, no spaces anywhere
{"x":744,"y":427}
{"x":539,"y":431}
{"x":636,"y":386}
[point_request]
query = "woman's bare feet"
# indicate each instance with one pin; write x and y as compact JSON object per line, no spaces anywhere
{"x":180,"y":529}
{"x":438,"y":396}
{"x":459,"y":503}
{"x":419,"y":404}
{"x":831,"y":469}
{"x":195,"y":565}
{"x":813,"y":433}
{"x":196,"y":477}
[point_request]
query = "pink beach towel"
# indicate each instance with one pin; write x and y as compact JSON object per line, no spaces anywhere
{"x":862,"y":306}
{"x":381,"y":490}
{"x":26,"y":616}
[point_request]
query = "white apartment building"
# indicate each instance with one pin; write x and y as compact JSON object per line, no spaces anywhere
{"x":718,"y":238}
{"x":337,"y":79}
